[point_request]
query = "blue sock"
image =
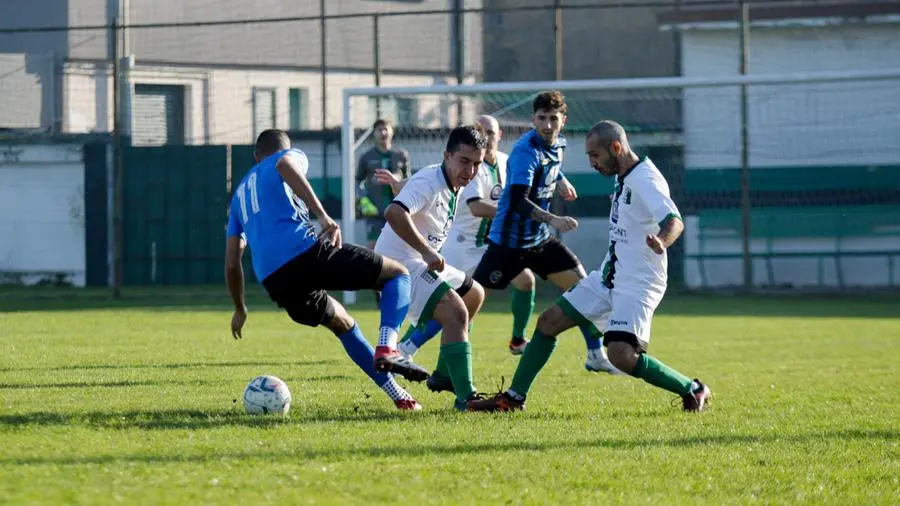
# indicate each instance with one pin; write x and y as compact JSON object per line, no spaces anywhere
{"x":592,"y":336}
{"x":362,"y":353}
{"x":424,"y":333}
{"x":394,"y":306}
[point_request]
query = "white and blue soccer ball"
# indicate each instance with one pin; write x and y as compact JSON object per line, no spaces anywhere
{"x":267,"y":395}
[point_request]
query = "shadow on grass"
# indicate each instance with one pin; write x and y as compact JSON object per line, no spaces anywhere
{"x":406,"y":450}
{"x":235,"y":416}
{"x":163,"y":382}
{"x":189,"y":365}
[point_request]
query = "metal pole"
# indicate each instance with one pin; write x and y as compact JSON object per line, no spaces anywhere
{"x":459,"y":52}
{"x":118,"y":163}
{"x":376,"y":49}
{"x":745,"y":150}
{"x":558,"y":36}
{"x":324,"y":70}
{"x":348,"y":187}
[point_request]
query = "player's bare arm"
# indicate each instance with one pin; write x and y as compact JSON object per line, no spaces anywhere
{"x":398,"y":218}
{"x":521,"y":203}
{"x":234,"y":278}
{"x":669,"y":232}
{"x":566,"y":190}
{"x":389,"y":178}
{"x":482,"y":209}
{"x":293,"y":176}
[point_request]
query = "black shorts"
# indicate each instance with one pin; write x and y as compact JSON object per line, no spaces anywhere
{"x":500,"y":264}
{"x":300,"y":286}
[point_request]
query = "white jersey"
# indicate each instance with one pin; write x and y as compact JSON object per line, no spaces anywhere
{"x":431,"y":202}
{"x":640,"y":204}
{"x":469,"y":230}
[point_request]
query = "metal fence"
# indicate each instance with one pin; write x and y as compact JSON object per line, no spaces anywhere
{"x":216,"y":72}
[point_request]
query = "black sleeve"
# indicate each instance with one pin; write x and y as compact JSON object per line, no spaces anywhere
{"x":519,"y":201}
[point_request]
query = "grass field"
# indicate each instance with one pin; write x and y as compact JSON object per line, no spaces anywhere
{"x":133,"y":402}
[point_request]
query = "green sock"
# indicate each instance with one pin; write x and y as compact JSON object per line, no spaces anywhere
{"x":536,"y":355}
{"x":658,"y":374}
{"x":522,"y":306}
{"x":409,"y":333}
{"x":458,"y":357}
{"x":441,"y":368}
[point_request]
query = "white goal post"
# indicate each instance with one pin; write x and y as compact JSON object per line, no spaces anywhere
{"x":707,"y":109}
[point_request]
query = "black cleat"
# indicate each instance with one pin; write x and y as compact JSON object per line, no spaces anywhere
{"x":439,"y":383}
{"x":698,"y":398}
{"x":388,"y":360}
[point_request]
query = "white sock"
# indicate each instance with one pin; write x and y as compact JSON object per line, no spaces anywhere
{"x":388,"y":337}
{"x":395,"y":391}
{"x":408,"y":347}
{"x":515,"y":395}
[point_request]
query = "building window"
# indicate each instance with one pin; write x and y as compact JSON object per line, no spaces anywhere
{"x":158,"y":115}
{"x":263,"y":110}
{"x":298,"y":108}
{"x":403,"y":111}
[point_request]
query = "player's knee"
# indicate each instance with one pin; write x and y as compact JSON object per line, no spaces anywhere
{"x":552,"y":321}
{"x":341,"y":322}
{"x":473,"y":299}
{"x":621,"y":353}
{"x":451,"y":312}
{"x":524,"y":281}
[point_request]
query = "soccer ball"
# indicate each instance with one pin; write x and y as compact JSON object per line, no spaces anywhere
{"x":265,"y":395}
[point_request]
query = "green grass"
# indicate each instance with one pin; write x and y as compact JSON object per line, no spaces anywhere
{"x":132,"y":402}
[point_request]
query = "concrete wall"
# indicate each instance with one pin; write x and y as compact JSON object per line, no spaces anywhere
{"x":42,"y":228}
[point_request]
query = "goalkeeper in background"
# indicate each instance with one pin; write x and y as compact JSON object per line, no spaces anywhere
{"x":373,"y":196}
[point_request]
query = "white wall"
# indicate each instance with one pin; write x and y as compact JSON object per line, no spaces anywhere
{"x":813,"y":124}
{"x":862,"y":271}
{"x":42,"y":211}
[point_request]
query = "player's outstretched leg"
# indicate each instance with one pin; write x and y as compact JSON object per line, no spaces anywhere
{"x":418,"y":336}
{"x":441,"y":378}
{"x":596,"y":360}
{"x":394,"y":287}
{"x":550,"y":324}
{"x":624,"y":352}
{"x":455,"y":357}
{"x":522,"y":306}
{"x":361,"y":352}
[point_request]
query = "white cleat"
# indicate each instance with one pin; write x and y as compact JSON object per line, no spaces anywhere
{"x":597,"y":361}
{"x":407,"y":349}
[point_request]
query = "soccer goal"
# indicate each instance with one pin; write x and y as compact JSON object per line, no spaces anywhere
{"x":784,"y":180}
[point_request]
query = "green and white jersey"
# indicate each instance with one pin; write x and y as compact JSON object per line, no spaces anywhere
{"x":641,"y":203}
{"x":469,"y":230}
{"x":431,"y":202}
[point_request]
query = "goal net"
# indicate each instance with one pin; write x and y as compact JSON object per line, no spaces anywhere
{"x":821,"y":151}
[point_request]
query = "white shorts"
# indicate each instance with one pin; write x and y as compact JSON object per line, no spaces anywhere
{"x":427,"y":288}
{"x":608,"y":310}
{"x":462,"y":255}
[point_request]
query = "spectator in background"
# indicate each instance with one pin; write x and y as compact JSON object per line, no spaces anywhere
{"x":374,"y":197}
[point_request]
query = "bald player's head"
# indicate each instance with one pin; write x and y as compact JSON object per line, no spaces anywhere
{"x":606,"y":145}
{"x":608,"y":131}
{"x":490,"y":127}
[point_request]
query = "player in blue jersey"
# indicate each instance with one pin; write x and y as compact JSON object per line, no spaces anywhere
{"x":296,"y":266}
{"x":520,"y":235}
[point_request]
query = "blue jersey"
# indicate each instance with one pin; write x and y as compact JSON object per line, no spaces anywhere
{"x":266,"y":212}
{"x":534,"y":164}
